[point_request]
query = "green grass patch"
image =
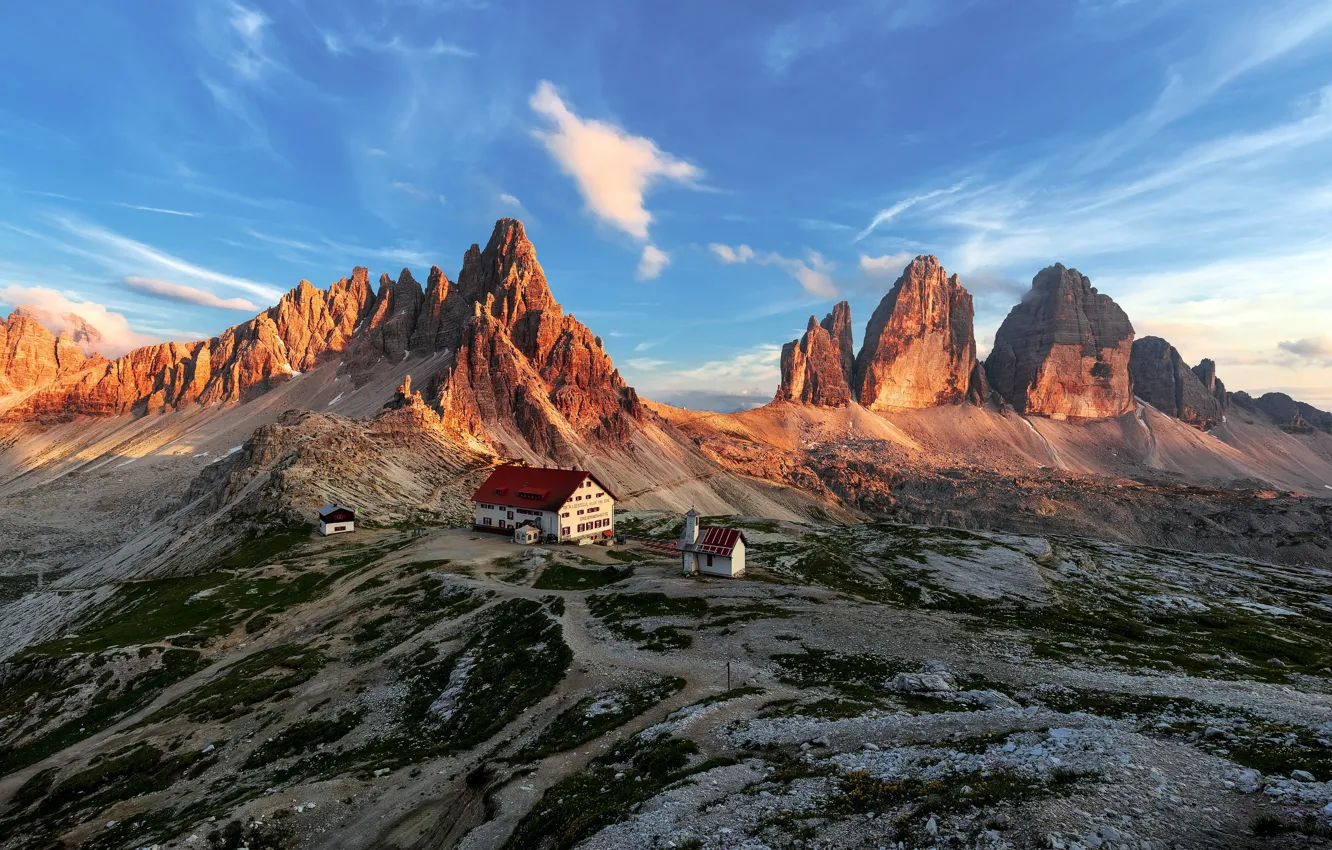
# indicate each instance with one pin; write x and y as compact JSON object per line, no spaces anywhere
{"x":581,"y":805}
{"x":303,"y":736}
{"x":254,"y":679}
{"x":515,"y":658}
{"x":562,"y":576}
{"x":410,"y":610}
{"x":112,"y":703}
{"x":859,"y":675}
{"x":593,"y":716}
{"x":621,"y":611}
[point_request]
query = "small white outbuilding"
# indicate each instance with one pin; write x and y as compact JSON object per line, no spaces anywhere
{"x":336,"y":519}
{"x":711,"y":550}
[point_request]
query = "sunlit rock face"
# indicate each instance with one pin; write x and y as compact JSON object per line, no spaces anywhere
{"x":919,"y":348}
{"x":1064,"y":350}
{"x":816,"y":369}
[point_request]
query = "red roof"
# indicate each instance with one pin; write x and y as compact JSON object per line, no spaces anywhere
{"x":533,"y":487}
{"x":713,"y":540}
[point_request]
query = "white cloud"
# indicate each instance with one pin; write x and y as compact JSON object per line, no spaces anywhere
{"x":758,"y":366}
{"x":411,"y":190}
{"x":612,"y":168}
{"x":646,"y":364}
{"x":885,"y":215}
{"x":885,"y":265}
{"x":162,"y":210}
{"x":728,"y":255}
{"x":813,"y":273}
{"x":344,"y":44}
{"x":376,"y":152}
{"x":53,"y":306}
{"x":250,"y":59}
{"x":652,"y":262}
{"x":185,"y":294}
{"x":130,"y":256}
{"x":506,"y":198}
{"x":1245,"y":43}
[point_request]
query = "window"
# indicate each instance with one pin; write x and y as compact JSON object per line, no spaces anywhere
{"x":580,"y":512}
{"x":487,"y":521}
{"x":578,"y":498}
{"x":565,"y":531}
{"x":593,"y":510}
{"x":709,"y":560}
{"x":564,"y":515}
{"x":510,"y":514}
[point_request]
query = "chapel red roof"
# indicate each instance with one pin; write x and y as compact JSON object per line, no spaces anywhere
{"x":714,"y":540}
{"x":535,"y":487}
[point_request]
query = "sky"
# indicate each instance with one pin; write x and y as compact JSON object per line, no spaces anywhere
{"x":698,"y":178}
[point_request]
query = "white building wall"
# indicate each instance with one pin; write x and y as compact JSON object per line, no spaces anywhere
{"x":593,"y":502}
{"x":336,"y":528}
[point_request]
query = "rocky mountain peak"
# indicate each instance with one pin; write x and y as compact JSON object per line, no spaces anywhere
{"x":1064,"y":350}
{"x":31,"y":354}
{"x":1161,"y":378}
{"x":919,"y":347}
{"x":816,"y":367}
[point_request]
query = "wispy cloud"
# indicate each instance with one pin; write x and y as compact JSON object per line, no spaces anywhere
{"x":813,"y":273}
{"x":162,"y":210}
{"x":814,"y":32}
{"x":128,"y":256}
{"x":612,"y":168}
{"x":888,"y":214}
{"x":345,"y":44}
{"x":506,"y":198}
{"x":646,"y":364}
{"x":411,"y":190}
{"x":887,"y":265}
{"x":182,"y":294}
{"x":653,"y":261}
{"x":1239,"y":45}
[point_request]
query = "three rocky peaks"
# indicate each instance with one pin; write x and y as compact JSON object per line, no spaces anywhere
{"x":512,"y":365}
{"x":1064,"y":351}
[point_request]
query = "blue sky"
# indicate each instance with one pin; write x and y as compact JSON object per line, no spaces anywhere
{"x":697,"y":177}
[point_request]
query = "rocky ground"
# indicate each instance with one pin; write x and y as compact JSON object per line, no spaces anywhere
{"x":867,"y":686}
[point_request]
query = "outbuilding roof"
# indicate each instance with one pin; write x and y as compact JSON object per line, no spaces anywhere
{"x":328,"y":509}
{"x":715,"y":540}
{"x":535,"y":487}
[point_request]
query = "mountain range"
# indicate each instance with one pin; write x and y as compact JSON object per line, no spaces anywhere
{"x":1070,"y":423}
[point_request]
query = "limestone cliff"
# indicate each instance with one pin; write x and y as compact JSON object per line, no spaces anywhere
{"x":1064,"y":350}
{"x":1163,"y":380}
{"x":1206,"y":372}
{"x":817,"y":368}
{"x":519,"y":367}
{"x":520,"y":360}
{"x":31,"y":355}
{"x":919,"y":348}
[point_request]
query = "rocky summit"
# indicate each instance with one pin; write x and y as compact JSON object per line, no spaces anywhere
{"x":816,"y":369}
{"x":1161,"y":378}
{"x":1064,"y":350}
{"x":919,"y":346}
{"x":31,"y":355}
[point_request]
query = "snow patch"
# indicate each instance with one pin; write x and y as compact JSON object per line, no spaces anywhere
{"x":337,"y":398}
